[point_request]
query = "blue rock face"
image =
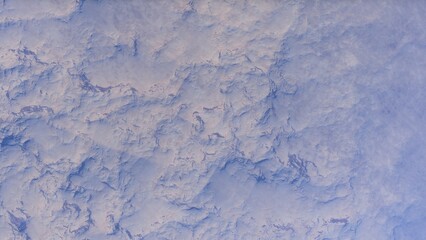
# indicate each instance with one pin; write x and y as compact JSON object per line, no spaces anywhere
{"x":212,"y":120}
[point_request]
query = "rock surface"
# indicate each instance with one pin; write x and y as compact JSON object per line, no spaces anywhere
{"x":212,"y":119}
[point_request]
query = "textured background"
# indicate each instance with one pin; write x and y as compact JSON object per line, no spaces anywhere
{"x":212,"y":119}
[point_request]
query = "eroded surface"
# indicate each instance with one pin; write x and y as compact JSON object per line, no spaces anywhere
{"x":212,"y":120}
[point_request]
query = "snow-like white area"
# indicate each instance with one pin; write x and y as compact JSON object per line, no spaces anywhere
{"x":212,"y":119}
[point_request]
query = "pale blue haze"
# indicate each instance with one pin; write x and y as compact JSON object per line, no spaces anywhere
{"x":199,"y":119}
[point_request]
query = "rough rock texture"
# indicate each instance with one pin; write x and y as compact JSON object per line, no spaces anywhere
{"x":212,"y":119}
